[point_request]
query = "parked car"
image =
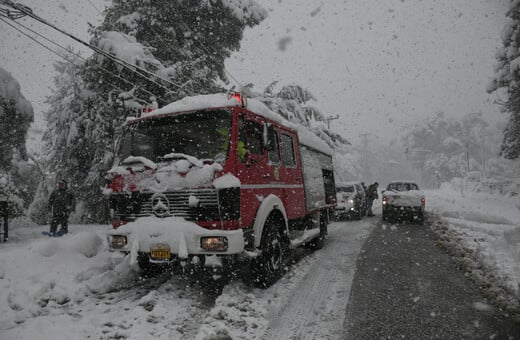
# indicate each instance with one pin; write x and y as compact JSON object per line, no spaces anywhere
{"x":403,"y":200}
{"x":350,"y":201}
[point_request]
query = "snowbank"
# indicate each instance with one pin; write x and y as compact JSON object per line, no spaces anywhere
{"x":482,"y":232}
{"x":51,"y":272}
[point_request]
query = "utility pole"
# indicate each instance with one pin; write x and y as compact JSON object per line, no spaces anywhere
{"x":365,"y":143}
{"x":329,"y":118}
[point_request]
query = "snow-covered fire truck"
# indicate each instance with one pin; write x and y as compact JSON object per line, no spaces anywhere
{"x":218,"y":177}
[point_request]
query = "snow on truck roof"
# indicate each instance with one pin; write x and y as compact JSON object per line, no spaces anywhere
{"x":306,"y":137}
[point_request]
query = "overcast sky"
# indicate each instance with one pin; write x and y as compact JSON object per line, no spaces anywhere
{"x":379,"y":65}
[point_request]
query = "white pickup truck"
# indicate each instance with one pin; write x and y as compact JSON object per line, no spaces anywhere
{"x":403,"y":200}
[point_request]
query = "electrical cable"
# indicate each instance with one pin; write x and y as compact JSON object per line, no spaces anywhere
{"x":95,"y":7}
{"x":133,"y":68}
{"x":84,"y":59}
{"x":75,"y":54}
{"x":39,"y":43}
{"x":203,"y":49}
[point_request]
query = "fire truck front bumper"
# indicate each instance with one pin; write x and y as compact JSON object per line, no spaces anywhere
{"x":167,"y":239}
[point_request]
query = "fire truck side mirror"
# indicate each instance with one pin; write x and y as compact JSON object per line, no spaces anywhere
{"x":269,"y":137}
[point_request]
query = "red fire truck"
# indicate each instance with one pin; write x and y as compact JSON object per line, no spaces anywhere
{"x":218,"y":177}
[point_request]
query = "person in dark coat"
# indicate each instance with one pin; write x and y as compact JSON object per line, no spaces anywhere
{"x":61,"y":203}
{"x":371,"y":196}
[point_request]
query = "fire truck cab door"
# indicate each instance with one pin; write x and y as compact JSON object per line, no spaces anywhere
{"x":252,"y":166}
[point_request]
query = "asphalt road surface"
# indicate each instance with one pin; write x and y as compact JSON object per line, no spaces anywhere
{"x":406,"y":287}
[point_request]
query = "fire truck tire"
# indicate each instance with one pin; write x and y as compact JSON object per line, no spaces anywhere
{"x":268,"y":267}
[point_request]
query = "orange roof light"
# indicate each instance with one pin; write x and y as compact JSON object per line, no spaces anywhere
{"x":241,"y":99}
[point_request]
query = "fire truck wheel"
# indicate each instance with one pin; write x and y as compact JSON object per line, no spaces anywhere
{"x":269,"y":264}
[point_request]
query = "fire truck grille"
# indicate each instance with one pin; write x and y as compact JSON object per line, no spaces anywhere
{"x":204,"y":205}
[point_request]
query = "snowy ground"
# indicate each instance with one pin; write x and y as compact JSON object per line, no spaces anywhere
{"x":71,"y":287}
{"x":486,"y":224}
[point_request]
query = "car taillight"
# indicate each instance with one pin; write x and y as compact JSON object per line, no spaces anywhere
{"x":423,"y":202}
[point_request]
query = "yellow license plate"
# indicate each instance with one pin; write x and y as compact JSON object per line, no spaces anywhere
{"x":160,"y":252}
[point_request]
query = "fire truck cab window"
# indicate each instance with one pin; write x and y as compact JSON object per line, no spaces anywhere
{"x":288,"y":151}
{"x":274,"y":153}
{"x":203,"y":135}
{"x":250,"y":138}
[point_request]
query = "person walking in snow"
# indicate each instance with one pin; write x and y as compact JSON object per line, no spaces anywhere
{"x":371,"y":195}
{"x":61,"y":203}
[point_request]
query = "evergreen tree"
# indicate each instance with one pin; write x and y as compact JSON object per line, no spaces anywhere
{"x":445,"y":147}
{"x":78,"y":140}
{"x":507,"y":76}
{"x":292,"y":103}
{"x":16,"y":115}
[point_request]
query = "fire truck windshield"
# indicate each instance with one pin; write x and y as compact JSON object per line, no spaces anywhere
{"x":201,"y":134}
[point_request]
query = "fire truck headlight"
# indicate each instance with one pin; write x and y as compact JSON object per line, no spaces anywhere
{"x":118,"y":241}
{"x":214,"y":243}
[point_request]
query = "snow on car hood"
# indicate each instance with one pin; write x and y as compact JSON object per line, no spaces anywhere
{"x":177,"y":172}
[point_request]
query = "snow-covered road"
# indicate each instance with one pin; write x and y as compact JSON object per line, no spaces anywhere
{"x":315,"y":308}
{"x":72,"y":287}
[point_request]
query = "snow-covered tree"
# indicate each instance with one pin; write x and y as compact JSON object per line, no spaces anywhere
{"x":443,"y":148}
{"x":78,"y":144}
{"x":184,"y":43}
{"x":16,"y":114}
{"x":293,"y":103}
{"x":166,"y":50}
{"x":507,"y":75}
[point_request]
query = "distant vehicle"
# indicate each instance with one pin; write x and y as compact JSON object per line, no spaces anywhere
{"x":403,"y":200}
{"x":350,"y":201}
{"x":213,"y":175}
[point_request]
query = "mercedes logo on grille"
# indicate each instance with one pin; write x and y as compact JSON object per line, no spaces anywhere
{"x":160,"y":205}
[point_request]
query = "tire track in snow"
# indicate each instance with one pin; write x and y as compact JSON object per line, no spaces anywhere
{"x":316,"y":307}
{"x":165,"y":306}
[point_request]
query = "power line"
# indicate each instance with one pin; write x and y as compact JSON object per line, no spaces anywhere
{"x":71,"y":52}
{"x":133,"y":68}
{"x":90,"y":2}
{"x":82,"y":58}
{"x":200,"y":46}
{"x":39,"y":43}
